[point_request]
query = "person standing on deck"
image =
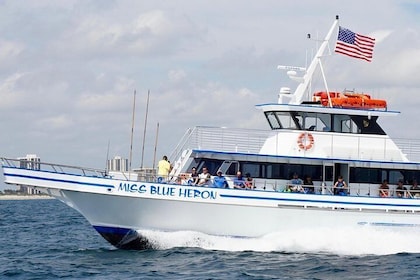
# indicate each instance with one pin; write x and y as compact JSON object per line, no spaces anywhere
{"x":340,"y":187}
{"x":164,"y":167}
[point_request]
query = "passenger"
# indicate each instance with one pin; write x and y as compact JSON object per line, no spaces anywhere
{"x":204,"y":177}
{"x":340,"y":187}
{"x":249,"y":182}
{"x":238,"y":182}
{"x":219,"y":181}
{"x":288,"y":188}
{"x":415,"y":190}
{"x":384,"y":189}
{"x":182,"y":179}
{"x":401,"y":191}
{"x":296,"y":184}
{"x":308,"y":185}
{"x":194,"y":176}
{"x":164,"y":167}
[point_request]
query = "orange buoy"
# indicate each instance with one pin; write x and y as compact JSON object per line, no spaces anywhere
{"x":305,"y":141}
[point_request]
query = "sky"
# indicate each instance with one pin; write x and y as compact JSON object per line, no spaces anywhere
{"x":69,"y":69}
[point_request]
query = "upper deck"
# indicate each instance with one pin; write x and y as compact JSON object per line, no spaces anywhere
{"x":251,"y":141}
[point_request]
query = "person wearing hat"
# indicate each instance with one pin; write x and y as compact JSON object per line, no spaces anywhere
{"x":401,"y":191}
{"x":219,"y":181}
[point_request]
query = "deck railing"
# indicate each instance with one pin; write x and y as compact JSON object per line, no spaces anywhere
{"x":52,"y":167}
{"x":222,"y":139}
{"x":251,"y":141}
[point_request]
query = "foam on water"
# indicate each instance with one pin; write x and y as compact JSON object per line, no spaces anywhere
{"x":344,"y":241}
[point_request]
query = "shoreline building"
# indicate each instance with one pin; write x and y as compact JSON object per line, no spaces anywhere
{"x":117,"y":164}
{"x":30,"y":161}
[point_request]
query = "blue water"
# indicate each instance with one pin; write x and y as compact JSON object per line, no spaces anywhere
{"x":45,"y":239}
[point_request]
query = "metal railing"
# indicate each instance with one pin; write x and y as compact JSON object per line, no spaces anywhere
{"x":222,"y":139}
{"x":251,"y":141}
{"x":52,"y":167}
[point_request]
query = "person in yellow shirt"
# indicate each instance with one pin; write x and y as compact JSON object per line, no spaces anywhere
{"x":164,"y":167}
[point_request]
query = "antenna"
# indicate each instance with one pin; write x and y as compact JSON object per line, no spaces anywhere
{"x":132,"y":132}
{"x":144,"y":131}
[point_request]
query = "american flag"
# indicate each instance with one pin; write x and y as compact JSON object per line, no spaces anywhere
{"x":354,"y":45}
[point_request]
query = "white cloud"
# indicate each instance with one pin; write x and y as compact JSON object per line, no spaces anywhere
{"x":9,"y":94}
{"x":9,"y":49}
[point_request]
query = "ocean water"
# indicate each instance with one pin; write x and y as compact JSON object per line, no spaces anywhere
{"x":45,"y":239}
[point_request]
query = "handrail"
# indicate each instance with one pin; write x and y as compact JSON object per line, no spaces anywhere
{"x":52,"y":167}
{"x":250,"y":141}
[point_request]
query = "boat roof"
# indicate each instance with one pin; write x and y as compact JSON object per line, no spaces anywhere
{"x":267,"y":107}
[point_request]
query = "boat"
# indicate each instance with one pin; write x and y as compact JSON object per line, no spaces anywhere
{"x":307,"y":137}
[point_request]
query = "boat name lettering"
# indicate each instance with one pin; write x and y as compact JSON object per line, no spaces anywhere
{"x":182,"y":192}
{"x":159,"y":190}
{"x":205,"y":194}
{"x":168,"y":191}
{"x":132,"y":188}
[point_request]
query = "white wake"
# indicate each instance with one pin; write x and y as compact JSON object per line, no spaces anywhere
{"x":345,"y":241}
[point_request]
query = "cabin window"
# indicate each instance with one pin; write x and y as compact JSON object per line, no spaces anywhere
{"x":344,"y":124}
{"x":255,"y":169}
{"x":314,"y":121}
{"x":368,"y":125}
{"x":329,"y":173}
{"x":272,"y":120}
{"x":410,"y":176}
{"x":279,"y":120}
{"x":233,"y":168}
{"x":394,"y":176}
{"x":366,"y":175}
{"x":211,"y":164}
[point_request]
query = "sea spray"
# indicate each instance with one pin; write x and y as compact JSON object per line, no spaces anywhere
{"x":343,"y":241}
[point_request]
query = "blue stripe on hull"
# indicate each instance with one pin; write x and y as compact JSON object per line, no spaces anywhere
{"x":316,"y":201}
{"x":387,"y":224}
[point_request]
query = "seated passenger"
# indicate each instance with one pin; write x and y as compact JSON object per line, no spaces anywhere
{"x":308,"y":185}
{"x":239,"y":182}
{"x":204,"y":177}
{"x":296,"y":183}
{"x":384,"y":189}
{"x":340,"y":187}
{"x":401,"y":191}
{"x":249,"y":183}
{"x":219,"y":181}
{"x":415,"y":190}
{"x":182,"y":179}
{"x":194,"y":176}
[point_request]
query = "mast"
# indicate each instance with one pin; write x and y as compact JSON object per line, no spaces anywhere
{"x":156,"y":142}
{"x":144,"y":131}
{"x":132,"y":131}
{"x":307,"y":78}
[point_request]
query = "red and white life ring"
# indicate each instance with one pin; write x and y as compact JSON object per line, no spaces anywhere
{"x":305,"y":141}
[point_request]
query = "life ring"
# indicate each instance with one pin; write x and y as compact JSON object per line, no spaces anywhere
{"x":305,"y":141}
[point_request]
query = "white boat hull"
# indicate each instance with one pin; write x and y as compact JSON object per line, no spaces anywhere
{"x":118,"y":210}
